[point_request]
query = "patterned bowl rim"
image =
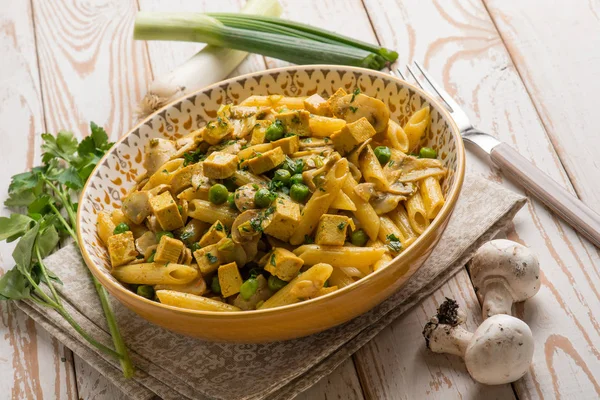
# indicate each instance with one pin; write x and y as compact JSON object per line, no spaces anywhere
{"x":442,"y":216}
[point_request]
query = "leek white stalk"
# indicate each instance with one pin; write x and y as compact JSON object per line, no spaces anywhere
{"x":206,"y":67}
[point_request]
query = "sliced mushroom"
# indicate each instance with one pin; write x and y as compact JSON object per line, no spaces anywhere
{"x":242,"y":230}
{"x":353,"y":107}
{"x":229,"y":251}
{"x":244,"y":197}
{"x":136,"y":206}
{"x":158,"y":151}
{"x":403,"y":189}
{"x":143,"y":242}
{"x":383,"y":202}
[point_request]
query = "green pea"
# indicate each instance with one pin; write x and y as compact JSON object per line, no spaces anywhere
{"x":217,"y":194}
{"x":121,"y":228}
{"x":275,"y":283}
{"x":274,"y":131}
{"x":151,"y":258}
{"x":195,"y":246}
{"x":263,"y":198}
{"x":296,"y":179}
{"x":282,"y":175}
{"x":248,"y":288}
{"x":231,"y":200}
{"x":299,"y":192}
{"x":160,"y":234}
{"x":427,"y":152}
{"x":359,"y":238}
{"x":215,"y":286}
{"x":383,"y":154}
{"x":146,"y":291}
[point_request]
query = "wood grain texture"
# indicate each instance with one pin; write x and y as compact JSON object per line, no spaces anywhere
{"x":90,"y":67}
{"x":458,"y":43}
{"x":555,"y":50}
{"x":33,"y":364}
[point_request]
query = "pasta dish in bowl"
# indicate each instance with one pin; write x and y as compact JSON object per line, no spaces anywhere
{"x":272,"y":205}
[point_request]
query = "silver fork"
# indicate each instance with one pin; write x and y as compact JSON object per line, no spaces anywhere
{"x":511,"y":163}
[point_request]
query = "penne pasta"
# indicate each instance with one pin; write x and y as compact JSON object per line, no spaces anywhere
{"x":417,"y":216}
{"x":211,"y":213}
{"x":275,"y":201}
{"x":320,"y":201}
{"x":339,"y":278}
{"x":155,"y":273}
{"x":275,"y":100}
{"x":371,"y":169}
{"x":400,"y":217}
{"x":340,"y":256}
{"x":365,"y":214}
{"x":304,"y":286}
{"x":192,"y":302}
{"x":416,"y":127}
{"x":325,"y":126}
{"x":433,"y":199}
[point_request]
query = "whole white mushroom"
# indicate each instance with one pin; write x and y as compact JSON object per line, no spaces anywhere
{"x":503,"y":273}
{"x":498,"y":352}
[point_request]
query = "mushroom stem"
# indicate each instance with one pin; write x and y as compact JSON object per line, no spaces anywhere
{"x":449,"y":339}
{"x":497,"y":300}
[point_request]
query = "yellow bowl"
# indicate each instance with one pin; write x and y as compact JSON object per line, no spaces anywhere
{"x":116,"y":173}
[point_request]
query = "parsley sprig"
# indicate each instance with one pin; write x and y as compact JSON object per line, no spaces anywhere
{"x":46,"y":214}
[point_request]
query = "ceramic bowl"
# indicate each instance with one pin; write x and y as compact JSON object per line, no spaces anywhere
{"x":116,"y":173}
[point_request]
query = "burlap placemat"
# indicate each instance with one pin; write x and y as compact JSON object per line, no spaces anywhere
{"x":177,"y":367}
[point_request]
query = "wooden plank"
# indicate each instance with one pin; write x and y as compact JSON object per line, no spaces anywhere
{"x":397,"y":365}
{"x":90,"y":68}
{"x":460,"y":46}
{"x":33,"y":364}
{"x":556,"y":54}
{"x":342,"y":383}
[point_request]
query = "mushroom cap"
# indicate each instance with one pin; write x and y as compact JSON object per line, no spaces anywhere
{"x":508,"y":263}
{"x":500,"y":350}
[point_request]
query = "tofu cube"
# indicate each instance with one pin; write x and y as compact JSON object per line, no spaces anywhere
{"x":283,"y":264}
{"x":265,"y":161}
{"x":259,"y":131}
{"x":219,"y":165}
{"x":315,"y":104}
{"x":121,"y":249}
{"x":288,"y":145}
{"x":333,"y":99}
{"x":168,"y":250}
{"x":284,"y":220}
{"x":208,"y":259}
{"x":332,"y":229}
{"x":165,"y":209}
{"x":215,"y":131}
{"x":215,"y":233}
{"x":229,"y":279}
{"x":295,"y":121}
{"x":350,"y":136}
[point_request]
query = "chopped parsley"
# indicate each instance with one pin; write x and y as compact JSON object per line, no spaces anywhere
{"x":308,"y":240}
{"x":341,"y":226}
{"x":353,"y":109}
{"x":192,"y":157}
{"x":211,"y":259}
{"x":391,"y":163}
{"x":356,"y":92}
{"x":393,"y":243}
{"x":219,"y":227}
{"x":296,"y":119}
{"x":272,"y":261}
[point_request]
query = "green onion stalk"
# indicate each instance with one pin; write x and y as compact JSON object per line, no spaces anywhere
{"x":197,"y":27}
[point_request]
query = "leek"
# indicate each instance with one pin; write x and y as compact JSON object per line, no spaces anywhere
{"x":296,"y":29}
{"x":206,"y":67}
{"x":203,"y":28}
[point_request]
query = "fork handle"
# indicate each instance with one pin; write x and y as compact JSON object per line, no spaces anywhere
{"x":554,"y":196}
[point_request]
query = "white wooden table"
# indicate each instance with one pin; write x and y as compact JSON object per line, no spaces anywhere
{"x":527,"y":71}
